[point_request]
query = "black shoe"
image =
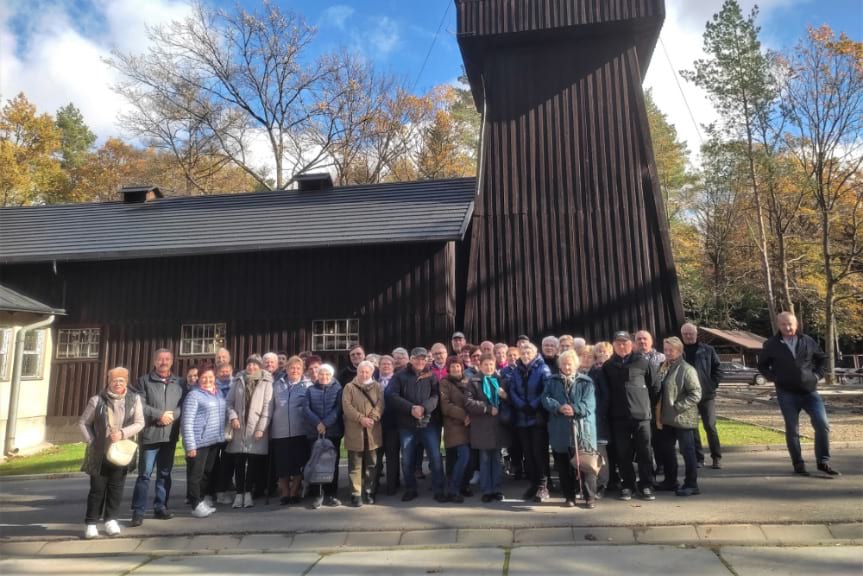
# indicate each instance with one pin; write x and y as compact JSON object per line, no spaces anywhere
{"x":136,"y":521}
{"x":467,"y":492}
{"x":441,"y":498}
{"x":666,"y":487}
{"x":688,"y":491}
{"x":541,"y":495}
{"x":590,"y":504}
{"x":163,"y":514}
{"x":486,"y":498}
{"x":295,"y":500}
{"x":498,"y":496}
{"x":660,"y":471}
{"x":825,"y":467}
{"x":569,"y":504}
{"x":647,"y":494}
{"x":625,"y":494}
{"x":356,"y":502}
{"x":456,"y":498}
{"x":332,"y":501}
{"x":317,"y":502}
{"x":409,"y":495}
{"x":369,"y":498}
{"x":716,"y":464}
{"x":800,"y":468}
{"x":529,"y":494}
{"x":285,"y":500}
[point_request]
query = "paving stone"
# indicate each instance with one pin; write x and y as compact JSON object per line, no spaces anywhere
{"x":77,"y":566}
{"x":797,"y":533}
{"x":64,"y":548}
{"x":789,"y":561}
{"x":163,"y":545}
{"x":479,"y":537}
{"x":449,"y":561}
{"x":212,"y":542}
{"x":737,"y":533}
{"x":20,"y":548}
{"x":264,"y":542}
{"x":853,"y":531}
{"x":230,"y":565}
{"x":318,"y":540}
{"x":602,"y":560}
{"x":429,"y":537}
{"x":543,"y":536}
{"x":666,"y":535}
{"x":373,"y":539}
{"x":112,"y":546}
{"x":600,"y":535}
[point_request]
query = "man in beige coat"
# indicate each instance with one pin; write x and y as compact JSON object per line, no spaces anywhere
{"x":363,"y":406}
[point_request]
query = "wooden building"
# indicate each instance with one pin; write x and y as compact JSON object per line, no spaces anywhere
{"x":562,"y":231}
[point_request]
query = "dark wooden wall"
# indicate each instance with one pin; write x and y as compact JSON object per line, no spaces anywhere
{"x":403,"y":295}
{"x":569,"y":232}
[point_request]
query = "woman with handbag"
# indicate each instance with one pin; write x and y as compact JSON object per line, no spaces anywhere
{"x":570,"y":401}
{"x":363,"y":405}
{"x":108,"y":424}
{"x":203,"y":430}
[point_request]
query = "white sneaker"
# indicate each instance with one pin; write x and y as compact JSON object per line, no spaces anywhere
{"x":208,"y":500}
{"x":238,"y":501}
{"x":248,"y":501}
{"x":223,"y":498}
{"x":201,"y":510}
{"x":112,"y":528}
{"x":475,"y":478}
{"x":91,"y":532}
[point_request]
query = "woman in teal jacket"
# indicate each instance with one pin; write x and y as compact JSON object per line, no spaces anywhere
{"x":571,"y":404}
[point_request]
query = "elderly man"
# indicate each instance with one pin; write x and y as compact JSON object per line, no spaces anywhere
{"x":438,"y":364}
{"x":161,"y":394}
{"x":550,"y":352}
{"x":644,"y":345}
{"x":401,"y":358}
{"x":413,"y":394}
{"x":356,"y":354}
{"x":706,"y":362}
{"x":794,"y":362}
{"x":391,"y":441}
{"x":457,"y":342}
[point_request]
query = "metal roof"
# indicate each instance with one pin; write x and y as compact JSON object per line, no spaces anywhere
{"x":424,"y":211}
{"x":12,"y":301}
{"x":748,"y":340}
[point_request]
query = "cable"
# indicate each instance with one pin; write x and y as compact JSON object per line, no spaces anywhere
{"x":425,"y":61}
{"x":680,"y":88}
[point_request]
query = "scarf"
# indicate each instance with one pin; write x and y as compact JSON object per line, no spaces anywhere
{"x":489,"y":388}
{"x":251,"y":383}
{"x":113,"y":396}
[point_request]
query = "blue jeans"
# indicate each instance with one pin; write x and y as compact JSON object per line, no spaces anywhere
{"x":462,"y":459}
{"x":791,"y":404}
{"x":160,"y":457}
{"x":430,"y":438}
{"x":685,"y":439}
{"x":490,"y":471}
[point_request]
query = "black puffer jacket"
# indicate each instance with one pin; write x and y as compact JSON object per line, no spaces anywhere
{"x":408,"y":389}
{"x":157,"y":397}
{"x":705,"y":360}
{"x":798,"y":374}
{"x":632,"y":385}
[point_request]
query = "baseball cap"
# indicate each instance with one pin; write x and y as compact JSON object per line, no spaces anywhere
{"x":419,"y":351}
{"x":622,"y":335}
{"x":457,"y":335}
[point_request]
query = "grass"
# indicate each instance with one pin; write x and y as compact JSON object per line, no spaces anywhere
{"x":68,"y":457}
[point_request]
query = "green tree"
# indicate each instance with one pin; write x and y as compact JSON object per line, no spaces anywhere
{"x":76,"y":138}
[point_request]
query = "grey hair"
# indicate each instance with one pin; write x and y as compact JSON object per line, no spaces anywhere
{"x":548,"y":339}
{"x":579,"y":342}
{"x":689,"y":325}
{"x":367,"y":364}
{"x":400,"y":351}
{"x":272,"y":355}
{"x":326,"y":368}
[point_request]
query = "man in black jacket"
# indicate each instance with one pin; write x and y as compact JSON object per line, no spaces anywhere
{"x":633,"y":389}
{"x":706,"y":362}
{"x":161,"y":396}
{"x":413,"y":395}
{"x":795,"y":363}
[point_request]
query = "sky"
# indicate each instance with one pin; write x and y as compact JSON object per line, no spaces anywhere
{"x":54,"y":50}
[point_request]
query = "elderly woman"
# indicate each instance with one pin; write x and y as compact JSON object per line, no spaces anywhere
{"x":250,"y":406}
{"x":203,"y":431}
{"x":677,"y":420}
{"x":550,"y":349}
{"x":288,"y":431}
{"x":363,"y":406}
{"x":585,"y":359}
{"x":486,"y":401}
{"x":112,"y":415}
{"x":453,"y":391}
{"x":608,"y":472}
{"x":323,"y":413}
{"x":570,"y":401}
{"x":526,"y":386}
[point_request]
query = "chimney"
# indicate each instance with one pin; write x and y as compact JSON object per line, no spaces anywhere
{"x":314,"y":181}
{"x":139,"y":193}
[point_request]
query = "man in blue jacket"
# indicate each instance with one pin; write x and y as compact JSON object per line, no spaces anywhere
{"x":795,"y":363}
{"x":161,"y":396}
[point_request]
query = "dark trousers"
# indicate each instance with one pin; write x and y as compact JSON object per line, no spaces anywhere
{"x":516,"y":454}
{"x":569,"y":478}
{"x":390,"y":451}
{"x":331,"y":489}
{"x":454,"y":457}
{"x":106,"y":492}
{"x":685,"y":438}
{"x":199,"y":473}
{"x":223,"y":471}
{"x":534,"y":443}
{"x":707,"y":411}
{"x":250,"y":470}
{"x":613,"y":470}
{"x":632,"y":438}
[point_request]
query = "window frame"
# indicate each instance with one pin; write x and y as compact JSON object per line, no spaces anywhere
{"x":335,"y":334}
{"x":201,"y":335}
{"x":5,"y":352}
{"x":58,"y":345}
{"x":39,"y":353}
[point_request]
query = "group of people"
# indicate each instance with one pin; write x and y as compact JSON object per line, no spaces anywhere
{"x":599,"y":411}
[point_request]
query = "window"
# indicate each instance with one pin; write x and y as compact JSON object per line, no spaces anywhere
{"x":334,"y":335}
{"x":5,"y":352}
{"x":201,"y":339}
{"x":34,"y":348}
{"x":78,"y":343}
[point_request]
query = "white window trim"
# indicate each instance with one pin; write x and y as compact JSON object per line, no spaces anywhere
{"x":216,"y":342}
{"x":6,"y":346}
{"x":351,"y":338}
{"x":58,"y":345}
{"x":39,"y":353}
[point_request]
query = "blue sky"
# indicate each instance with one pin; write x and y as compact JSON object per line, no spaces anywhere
{"x":53,"y":49}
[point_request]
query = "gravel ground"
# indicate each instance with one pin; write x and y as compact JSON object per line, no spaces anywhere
{"x":757,"y":405}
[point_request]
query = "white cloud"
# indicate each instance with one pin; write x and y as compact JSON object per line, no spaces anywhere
{"x":337,"y":15}
{"x":59,"y":64}
{"x":682,"y":37}
{"x":384,"y":35}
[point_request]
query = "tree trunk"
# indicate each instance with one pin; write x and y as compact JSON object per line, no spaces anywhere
{"x":787,"y":302}
{"x":829,"y":299}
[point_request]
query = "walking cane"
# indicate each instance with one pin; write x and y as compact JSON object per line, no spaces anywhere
{"x":267,"y":479}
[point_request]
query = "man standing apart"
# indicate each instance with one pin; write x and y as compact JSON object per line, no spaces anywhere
{"x":161,"y":394}
{"x":706,"y":362}
{"x":795,"y":363}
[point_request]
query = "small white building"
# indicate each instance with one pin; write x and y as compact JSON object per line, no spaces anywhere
{"x":26,"y":322}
